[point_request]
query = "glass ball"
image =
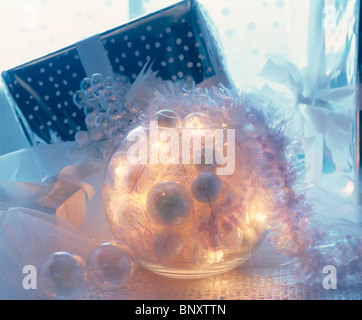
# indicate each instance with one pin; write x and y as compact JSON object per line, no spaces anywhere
{"x":90,"y":121}
{"x":169,"y":203}
{"x":91,"y":105}
{"x":63,"y":276}
{"x":122,"y":91}
{"x":85,"y":86}
{"x":78,"y":98}
{"x":168,"y":244}
{"x":131,"y":106}
{"x":114,"y":112}
{"x":96,"y":134}
{"x":96,"y":82}
{"x":111,"y":265}
{"x":206,"y":187}
{"x":90,"y":151}
{"x":167,"y":119}
{"x":101,"y":120}
{"x":109,"y":94}
{"x":114,"y":131}
{"x":90,"y":110}
{"x":122,"y":81}
{"x":82,"y":137}
{"x":108,"y":82}
{"x":197,"y":120}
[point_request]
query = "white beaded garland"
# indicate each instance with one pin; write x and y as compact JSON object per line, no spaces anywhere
{"x":108,"y":112}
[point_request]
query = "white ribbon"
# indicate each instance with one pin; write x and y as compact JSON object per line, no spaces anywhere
{"x":66,"y":194}
{"x":323,"y":115}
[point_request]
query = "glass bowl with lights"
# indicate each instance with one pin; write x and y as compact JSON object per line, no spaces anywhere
{"x":182,"y":190}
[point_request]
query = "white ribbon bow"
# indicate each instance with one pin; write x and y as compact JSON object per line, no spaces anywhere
{"x":67,"y":194}
{"x":323,"y":115}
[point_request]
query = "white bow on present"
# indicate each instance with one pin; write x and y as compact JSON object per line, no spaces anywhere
{"x":320,"y":114}
{"x":323,"y":115}
{"x":66,"y":195}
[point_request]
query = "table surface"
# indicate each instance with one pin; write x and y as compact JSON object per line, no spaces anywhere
{"x":243,"y":283}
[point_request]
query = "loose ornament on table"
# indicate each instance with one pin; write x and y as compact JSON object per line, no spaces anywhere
{"x":63,"y":276}
{"x":111,"y":265}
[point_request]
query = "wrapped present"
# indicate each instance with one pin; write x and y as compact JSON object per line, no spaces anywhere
{"x":65,"y":195}
{"x":324,"y":96}
{"x":303,"y":56}
{"x":176,"y":40}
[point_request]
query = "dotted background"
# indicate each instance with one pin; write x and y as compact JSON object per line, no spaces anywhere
{"x":176,"y":40}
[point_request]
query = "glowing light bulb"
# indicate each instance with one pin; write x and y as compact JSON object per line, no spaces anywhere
{"x":215,"y":256}
{"x":197,"y":120}
{"x":260,"y":217}
{"x":349,"y":188}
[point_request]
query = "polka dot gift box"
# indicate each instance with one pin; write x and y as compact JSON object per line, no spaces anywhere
{"x":177,"y":41}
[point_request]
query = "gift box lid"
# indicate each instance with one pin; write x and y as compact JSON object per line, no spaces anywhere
{"x":177,"y":40}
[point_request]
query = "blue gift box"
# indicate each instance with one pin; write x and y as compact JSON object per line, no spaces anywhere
{"x":177,"y":40}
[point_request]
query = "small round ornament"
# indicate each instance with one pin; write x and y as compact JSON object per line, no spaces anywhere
{"x":109,"y":94}
{"x":63,"y":276}
{"x":108,"y":82}
{"x":111,"y":265}
{"x":122,"y":81}
{"x":90,"y":151}
{"x":167,"y":119}
{"x":169,"y":204}
{"x":168,"y":244}
{"x":82,"y":137}
{"x":206,"y":187}
{"x":131,"y":106}
{"x":114,"y":112}
{"x":96,"y":82}
{"x":96,"y":134}
{"x":90,"y":121}
{"x":114,"y":130}
{"x":85,"y":85}
{"x":90,"y":109}
{"x":78,"y":98}
{"x":197,"y":120}
{"x":101,"y":120}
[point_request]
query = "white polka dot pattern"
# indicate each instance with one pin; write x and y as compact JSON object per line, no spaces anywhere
{"x":176,"y":40}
